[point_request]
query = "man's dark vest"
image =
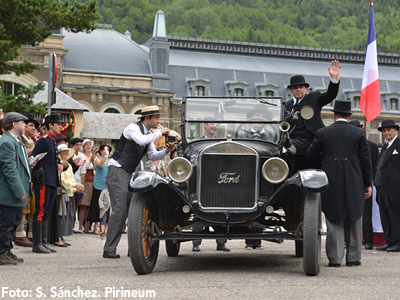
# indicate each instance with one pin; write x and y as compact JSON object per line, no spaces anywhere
{"x":128,"y":153}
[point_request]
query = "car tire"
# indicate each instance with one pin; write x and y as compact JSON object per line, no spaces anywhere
{"x":143,"y":248}
{"x":172,"y":248}
{"x":299,"y":248}
{"x":311,"y":234}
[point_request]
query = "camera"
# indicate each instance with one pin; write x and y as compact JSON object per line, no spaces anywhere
{"x":170,"y":139}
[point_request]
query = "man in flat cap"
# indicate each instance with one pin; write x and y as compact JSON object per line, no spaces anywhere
{"x":136,"y":140}
{"x":346,"y":160}
{"x":302,"y":134}
{"x":45,"y":178}
{"x":29,"y":140}
{"x":387,"y":182}
{"x":15,"y":177}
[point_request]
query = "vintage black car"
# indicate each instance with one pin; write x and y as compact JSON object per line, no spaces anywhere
{"x":236,"y":183}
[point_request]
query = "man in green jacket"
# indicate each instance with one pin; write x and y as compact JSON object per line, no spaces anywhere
{"x":15,"y":178}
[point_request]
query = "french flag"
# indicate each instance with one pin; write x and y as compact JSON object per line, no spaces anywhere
{"x":370,"y":100}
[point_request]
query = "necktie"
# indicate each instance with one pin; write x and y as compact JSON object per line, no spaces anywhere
{"x":381,"y":157}
{"x":295,"y":105}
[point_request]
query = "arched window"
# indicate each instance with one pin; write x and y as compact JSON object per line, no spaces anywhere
{"x":112,"y":110}
{"x":11,"y":88}
{"x":238,"y":92}
{"x":394,"y":104}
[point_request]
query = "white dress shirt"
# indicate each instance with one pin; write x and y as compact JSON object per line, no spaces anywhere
{"x":132,"y":133}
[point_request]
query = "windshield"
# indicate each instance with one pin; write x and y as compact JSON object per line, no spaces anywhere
{"x":242,"y":118}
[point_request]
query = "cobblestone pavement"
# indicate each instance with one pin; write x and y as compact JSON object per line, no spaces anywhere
{"x":80,"y":272}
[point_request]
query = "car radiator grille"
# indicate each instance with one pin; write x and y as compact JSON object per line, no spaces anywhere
{"x":235,"y":193}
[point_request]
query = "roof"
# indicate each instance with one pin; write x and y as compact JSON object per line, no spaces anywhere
{"x":104,"y":51}
{"x":219,"y":68}
{"x":98,"y":125}
{"x":63,"y":101}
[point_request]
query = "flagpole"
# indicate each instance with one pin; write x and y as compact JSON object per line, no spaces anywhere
{"x":365,"y":118}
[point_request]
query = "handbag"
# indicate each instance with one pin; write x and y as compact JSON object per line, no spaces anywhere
{"x":78,"y":195}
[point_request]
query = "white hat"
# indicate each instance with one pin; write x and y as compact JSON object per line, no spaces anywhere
{"x":87,"y":140}
{"x":64,"y":147}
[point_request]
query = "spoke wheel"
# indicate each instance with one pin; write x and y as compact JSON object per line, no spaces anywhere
{"x":312,"y":237}
{"x":143,"y":249}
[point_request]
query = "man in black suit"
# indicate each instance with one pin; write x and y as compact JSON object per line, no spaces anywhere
{"x":368,"y":231}
{"x":346,"y":160}
{"x":302,"y":134}
{"x":257,"y":130}
{"x":387,"y":182}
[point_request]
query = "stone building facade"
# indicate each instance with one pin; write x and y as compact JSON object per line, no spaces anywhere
{"x":107,"y":72}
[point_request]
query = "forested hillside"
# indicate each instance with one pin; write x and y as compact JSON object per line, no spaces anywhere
{"x":334,"y":23}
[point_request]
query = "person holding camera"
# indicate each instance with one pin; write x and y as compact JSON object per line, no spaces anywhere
{"x":136,"y":140}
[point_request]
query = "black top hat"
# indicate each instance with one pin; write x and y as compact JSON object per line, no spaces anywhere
{"x":342,"y":106}
{"x":260,"y":108}
{"x":75,"y":140}
{"x":32,"y":119}
{"x":388,"y":123}
{"x":53,"y":118}
{"x":297,"y":80}
{"x":356,"y":123}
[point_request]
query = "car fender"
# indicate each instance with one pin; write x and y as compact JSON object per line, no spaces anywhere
{"x":168,"y":198}
{"x":314,"y":181}
{"x":144,"y":181}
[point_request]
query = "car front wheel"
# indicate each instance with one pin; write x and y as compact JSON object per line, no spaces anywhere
{"x":143,"y":249}
{"x":311,"y":234}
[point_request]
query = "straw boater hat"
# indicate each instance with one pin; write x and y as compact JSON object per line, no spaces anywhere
{"x":64,"y":147}
{"x":150,"y":110}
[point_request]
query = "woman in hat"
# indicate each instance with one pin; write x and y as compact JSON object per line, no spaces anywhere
{"x":87,"y":180}
{"x":99,"y":184}
{"x":66,"y":197}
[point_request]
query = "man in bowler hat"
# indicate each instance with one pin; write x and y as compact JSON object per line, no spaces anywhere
{"x":387,"y":182}
{"x":302,"y":134}
{"x":346,"y":160}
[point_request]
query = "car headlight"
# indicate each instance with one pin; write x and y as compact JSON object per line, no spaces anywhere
{"x":179,"y":169}
{"x":275,"y":170}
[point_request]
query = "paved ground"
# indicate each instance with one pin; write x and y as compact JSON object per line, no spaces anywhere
{"x":274,"y":273}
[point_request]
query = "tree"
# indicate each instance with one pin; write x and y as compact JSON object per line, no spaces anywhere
{"x":29,"y":22}
{"x":23,"y":102}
